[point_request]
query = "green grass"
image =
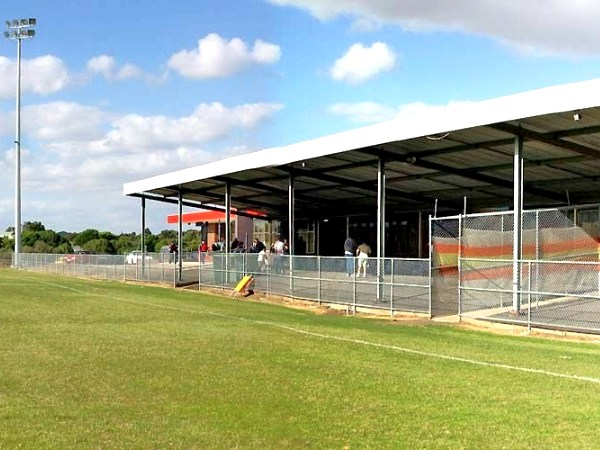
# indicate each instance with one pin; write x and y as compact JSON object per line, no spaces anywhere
{"x":93,"y":364}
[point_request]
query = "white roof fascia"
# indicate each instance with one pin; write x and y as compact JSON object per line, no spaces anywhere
{"x":424,"y":121}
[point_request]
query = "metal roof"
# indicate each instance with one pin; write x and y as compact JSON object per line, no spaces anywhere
{"x":445,"y":154}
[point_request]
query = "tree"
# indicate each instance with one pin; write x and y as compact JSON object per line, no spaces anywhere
{"x":64,"y":248}
{"x":191,"y":240}
{"x":125,"y":243}
{"x":103,"y":246}
{"x":42,"y":247}
{"x":106,"y":235}
{"x":85,"y":236}
{"x":33,"y":226}
{"x":6,"y":244}
{"x":168,"y":235}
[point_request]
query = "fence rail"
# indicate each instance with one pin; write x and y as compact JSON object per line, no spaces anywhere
{"x":550,"y":294}
{"x":401,"y":286}
{"x":562,"y":295}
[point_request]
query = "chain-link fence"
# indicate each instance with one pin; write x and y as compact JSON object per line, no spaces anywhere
{"x":554,"y":285}
{"x":149,"y":267}
{"x":471,"y":271}
{"x":402,"y":286}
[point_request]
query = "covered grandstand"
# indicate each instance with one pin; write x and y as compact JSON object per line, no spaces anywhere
{"x":534,"y":151}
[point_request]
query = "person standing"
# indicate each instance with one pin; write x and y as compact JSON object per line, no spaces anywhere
{"x":277,"y":250}
{"x":363,"y":251}
{"x":350,"y":247}
{"x":173,"y":252}
{"x":202,"y":250}
{"x":259,"y":248}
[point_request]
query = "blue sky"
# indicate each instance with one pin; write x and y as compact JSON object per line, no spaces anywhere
{"x":114,"y":91}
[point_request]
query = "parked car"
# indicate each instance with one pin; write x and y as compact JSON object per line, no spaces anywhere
{"x":80,"y":256}
{"x":135,"y":257}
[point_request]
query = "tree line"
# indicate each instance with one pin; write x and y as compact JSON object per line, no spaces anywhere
{"x":35,"y":238}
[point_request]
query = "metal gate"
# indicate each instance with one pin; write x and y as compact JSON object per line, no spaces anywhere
{"x":445,"y":246}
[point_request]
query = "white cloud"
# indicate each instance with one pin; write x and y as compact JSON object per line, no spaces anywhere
{"x":361,"y":63}
{"x":216,"y":57}
{"x":107,"y":67}
{"x":363,"y":112}
{"x":95,"y":145}
{"x":63,"y":121}
{"x":208,"y":122}
{"x":42,"y":75}
{"x":551,"y":27}
{"x":127,"y":72}
{"x":103,"y":65}
{"x":76,"y":158}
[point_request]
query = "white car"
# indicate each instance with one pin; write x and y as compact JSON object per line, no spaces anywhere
{"x":135,"y":257}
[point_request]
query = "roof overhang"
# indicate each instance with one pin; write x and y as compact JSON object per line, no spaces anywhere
{"x":446,"y":154}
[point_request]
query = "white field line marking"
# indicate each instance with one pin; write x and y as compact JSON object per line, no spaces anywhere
{"x":354,"y":341}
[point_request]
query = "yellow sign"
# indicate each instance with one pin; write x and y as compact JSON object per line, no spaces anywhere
{"x":243,"y":284}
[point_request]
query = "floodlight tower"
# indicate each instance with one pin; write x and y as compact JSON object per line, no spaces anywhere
{"x":18,"y":29}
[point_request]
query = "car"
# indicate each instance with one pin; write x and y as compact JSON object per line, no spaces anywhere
{"x":79,"y":256}
{"x":136,"y":257}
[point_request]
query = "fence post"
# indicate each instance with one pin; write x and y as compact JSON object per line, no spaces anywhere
{"x":392,"y":288}
{"x":529,"y":296}
{"x":319,"y":279}
{"x":354,"y":278}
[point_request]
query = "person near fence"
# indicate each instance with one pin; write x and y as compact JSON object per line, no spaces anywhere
{"x":173,"y":252}
{"x":202,"y":250}
{"x":277,"y":250}
{"x":259,"y":248}
{"x":350,"y":247}
{"x":363,"y":252}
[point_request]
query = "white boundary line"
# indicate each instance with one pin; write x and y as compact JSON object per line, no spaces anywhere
{"x":353,"y":341}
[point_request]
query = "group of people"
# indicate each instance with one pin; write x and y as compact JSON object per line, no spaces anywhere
{"x":272,"y":257}
{"x":237,"y":246}
{"x":361,"y":252}
{"x":357,"y":256}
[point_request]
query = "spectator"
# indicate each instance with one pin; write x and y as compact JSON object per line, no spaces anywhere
{"x":257,"y":246}
{"x":173,"y":252}
{"x":261,"y":261}
{"x":350,"y":247}
{"x":363,"y":251}
{"x":277,"y":251}
{"x":202,"y":250}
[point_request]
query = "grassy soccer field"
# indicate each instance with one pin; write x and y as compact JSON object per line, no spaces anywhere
{"x":90,"y":364}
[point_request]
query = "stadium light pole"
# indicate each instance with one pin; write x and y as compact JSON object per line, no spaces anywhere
{"x":17,"y":30}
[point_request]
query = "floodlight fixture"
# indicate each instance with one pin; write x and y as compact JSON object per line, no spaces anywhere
{"x":18,"y":29}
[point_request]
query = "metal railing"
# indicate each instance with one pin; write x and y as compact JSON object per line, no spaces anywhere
{"x":389,"y":284}
{"x":392,"y":284}
{"x":561,"y":295}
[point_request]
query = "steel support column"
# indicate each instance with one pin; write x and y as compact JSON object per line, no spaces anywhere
{"x":227,"y":246}
{"x":380,"y":226}
{"x":517,"y":222}
{"x":143,"y":234}
{"x":291,"y":228}
{"x":178,"y":258}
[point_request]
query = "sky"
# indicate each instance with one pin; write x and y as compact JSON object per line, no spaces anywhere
{"x":115,"y":91}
